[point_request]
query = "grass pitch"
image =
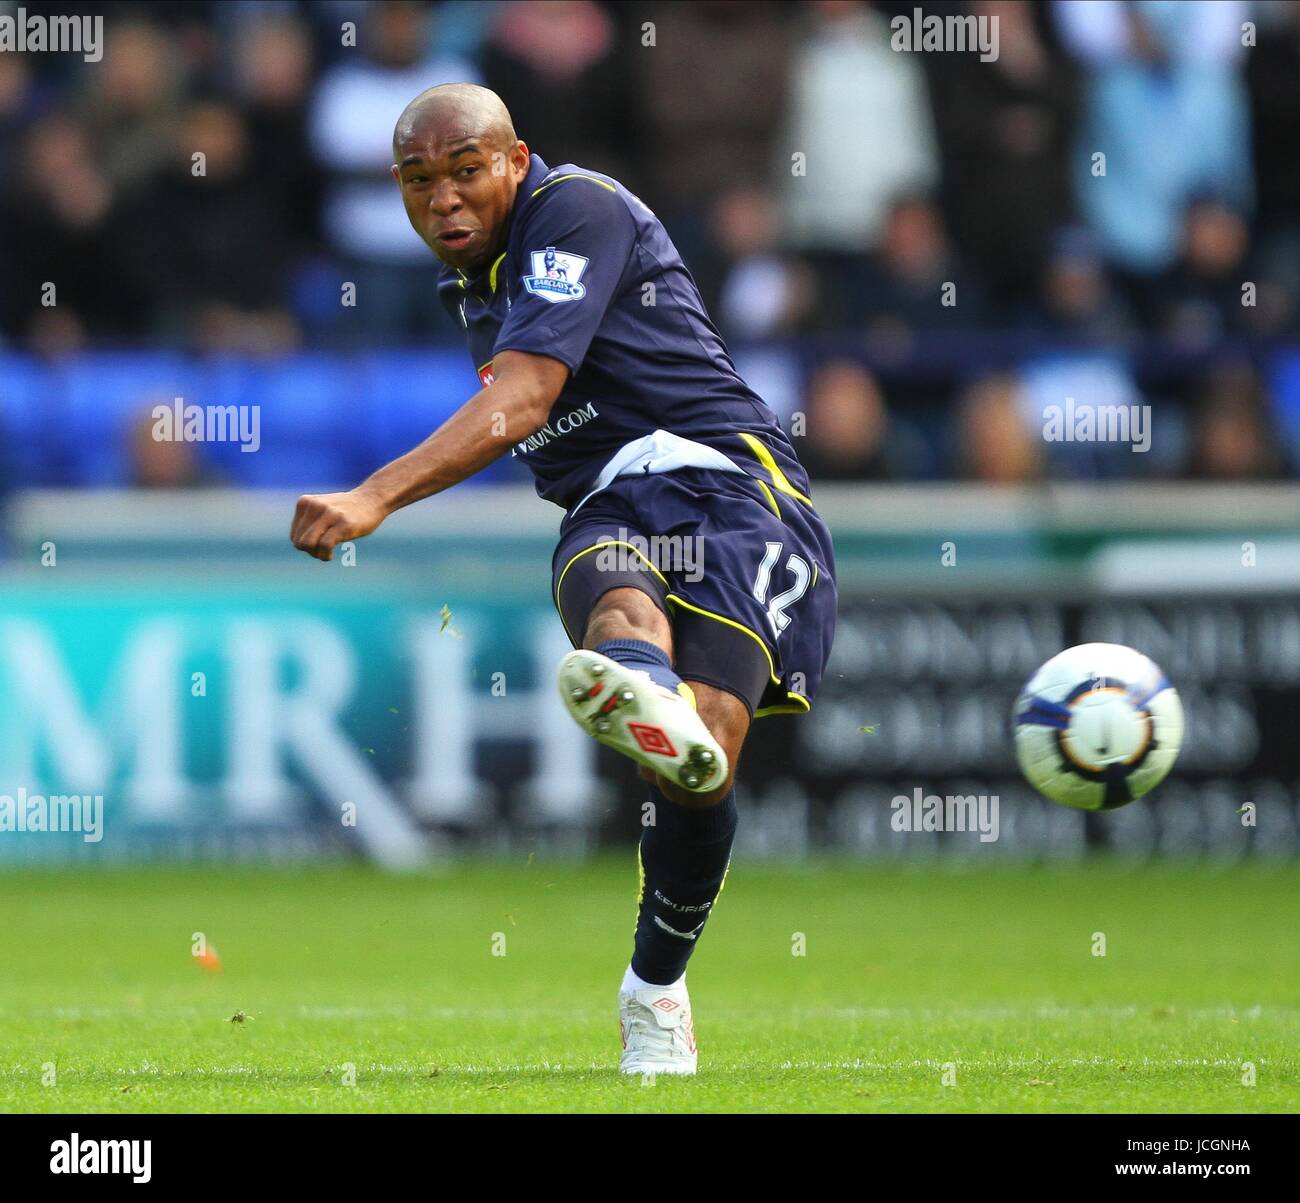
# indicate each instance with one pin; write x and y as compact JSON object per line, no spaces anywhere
{"x":910,"y":975}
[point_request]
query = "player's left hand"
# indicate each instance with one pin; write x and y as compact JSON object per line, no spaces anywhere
{"x":324,"y":520}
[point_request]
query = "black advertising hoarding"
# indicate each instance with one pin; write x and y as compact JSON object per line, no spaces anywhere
{"x":919,"y":698}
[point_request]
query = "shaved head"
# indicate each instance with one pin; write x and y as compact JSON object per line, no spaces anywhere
{"x":455,"y":112}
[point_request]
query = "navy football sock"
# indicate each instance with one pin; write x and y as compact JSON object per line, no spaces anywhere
{"x":684,"y":859}
{"x":646,"y":657}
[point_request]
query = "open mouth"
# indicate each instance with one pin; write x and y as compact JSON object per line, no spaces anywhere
{"x":455,"y":240}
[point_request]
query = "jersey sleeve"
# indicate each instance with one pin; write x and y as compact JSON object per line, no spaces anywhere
{"x":575,"y":245}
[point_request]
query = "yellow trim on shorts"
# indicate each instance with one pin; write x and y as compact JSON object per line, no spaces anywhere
{"x":573,"y":175}
{"x":596,"y":547}
{"x":731,"y":622}
{"x":779,"y":479}
{"x":797,"y":703}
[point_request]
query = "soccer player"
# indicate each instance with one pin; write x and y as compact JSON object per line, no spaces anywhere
{"x":603,"y":373}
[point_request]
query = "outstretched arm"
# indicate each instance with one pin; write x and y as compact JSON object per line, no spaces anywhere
{"x":524,"y":389}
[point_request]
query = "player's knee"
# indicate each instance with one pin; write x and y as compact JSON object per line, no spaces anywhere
{"x":627,"y":613}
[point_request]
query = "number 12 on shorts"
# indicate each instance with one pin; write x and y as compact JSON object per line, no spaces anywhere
{"x":798,"y":568}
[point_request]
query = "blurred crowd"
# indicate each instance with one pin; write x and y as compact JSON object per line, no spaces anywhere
{"x":912,"y":253}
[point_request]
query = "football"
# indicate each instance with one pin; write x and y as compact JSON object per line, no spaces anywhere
{"x":1097,"y":726}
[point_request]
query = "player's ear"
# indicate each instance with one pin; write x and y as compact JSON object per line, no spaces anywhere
{"x":397,"y":175}
{"x":520,"y":159}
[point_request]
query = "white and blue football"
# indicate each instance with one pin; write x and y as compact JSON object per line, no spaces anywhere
{"x":1097,"y":726}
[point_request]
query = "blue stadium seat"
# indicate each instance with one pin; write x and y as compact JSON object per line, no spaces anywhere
{"x":33,"y":425}
{"x":312,"y":418}
{"x":103,"y":396}
{"x":324,"y":420}
{"x":410,"y":394}
{"x":1284,"y":396}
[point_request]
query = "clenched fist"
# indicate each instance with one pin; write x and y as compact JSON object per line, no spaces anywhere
{"x":324,"y":520}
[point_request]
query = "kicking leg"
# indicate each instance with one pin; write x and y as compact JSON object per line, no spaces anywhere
{"x":621,"y":688}
{"x":687,"y":834}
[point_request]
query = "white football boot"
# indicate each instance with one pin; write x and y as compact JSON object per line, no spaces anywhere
{"x":657,"y":1029}
{"x":624,"y":709}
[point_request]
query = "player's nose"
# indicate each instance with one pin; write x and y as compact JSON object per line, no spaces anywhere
{"x":444,"y":200}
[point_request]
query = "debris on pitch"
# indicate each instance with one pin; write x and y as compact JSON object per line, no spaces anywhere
{"x":445,"y":615}
{"x":209,"y":959}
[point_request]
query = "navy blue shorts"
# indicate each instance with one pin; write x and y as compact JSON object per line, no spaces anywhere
{"x":745,"y":574}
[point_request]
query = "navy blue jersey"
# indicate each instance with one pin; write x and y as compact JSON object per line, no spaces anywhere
{"x":590,"y":277}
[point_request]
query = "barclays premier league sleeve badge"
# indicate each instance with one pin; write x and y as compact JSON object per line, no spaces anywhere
{"x":556,"y":276}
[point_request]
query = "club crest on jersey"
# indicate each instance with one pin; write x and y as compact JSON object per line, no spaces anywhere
{"x":557,"y":276}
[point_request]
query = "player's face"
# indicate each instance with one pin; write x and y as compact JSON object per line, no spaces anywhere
{"x":458,"y":191}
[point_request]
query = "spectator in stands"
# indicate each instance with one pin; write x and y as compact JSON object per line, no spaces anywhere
{"x":913,"y":284}
{"x":1233,"y":438}
{"x":1052,"y":381}
{"x":216,"y":251}
{"x":860,"y":118}
{"x":163,"y":463}
{"x":848,"y":432}
{"x":1077,"y":297}
{"x":1273,"y":69}
{"x":132,"y":101}
{"x":1004,"y":128}
{"x":755,"y":289}
{"x":15,"y":99}
{"x":566,"y":69}
{"x":15,"y":102}
{"x":1272,"y":72}
{"x":995,"y":444}
{"x":700,"y":120}
{"x":74,"y":279}
{"x":1166,"y":104}
{"x":353,"y":111}
{"x":272,"y":62}
{"x":1200,"y":298}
